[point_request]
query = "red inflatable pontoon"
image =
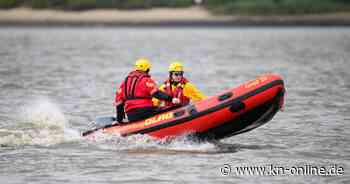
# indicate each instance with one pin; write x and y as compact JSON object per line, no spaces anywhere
{"x":232,"y":112}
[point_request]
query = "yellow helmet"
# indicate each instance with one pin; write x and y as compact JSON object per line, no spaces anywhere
{"x":143,"y":64}
{"x":176,"y":67}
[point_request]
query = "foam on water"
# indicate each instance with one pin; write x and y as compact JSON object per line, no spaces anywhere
{"x":41,"y":122}
{"x":147,"y":144}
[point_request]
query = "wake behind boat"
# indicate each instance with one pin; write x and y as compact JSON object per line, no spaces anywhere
{"x":229,"y":113}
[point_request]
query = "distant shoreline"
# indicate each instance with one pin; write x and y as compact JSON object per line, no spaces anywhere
{"x":193,"y":16}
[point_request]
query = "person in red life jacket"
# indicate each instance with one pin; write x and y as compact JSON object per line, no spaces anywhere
{"x":177,"y":86}
{"x":134,"y":96}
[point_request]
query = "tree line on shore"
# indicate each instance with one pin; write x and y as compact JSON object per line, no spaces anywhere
{"x":259,"y":7}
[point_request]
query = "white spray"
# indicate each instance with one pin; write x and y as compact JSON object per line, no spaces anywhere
{"x":41,"y":122}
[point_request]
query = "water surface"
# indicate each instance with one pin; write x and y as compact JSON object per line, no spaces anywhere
{"x":54,"y":81}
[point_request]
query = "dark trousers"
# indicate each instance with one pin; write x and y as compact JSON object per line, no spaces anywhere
{"x":142,"y":113}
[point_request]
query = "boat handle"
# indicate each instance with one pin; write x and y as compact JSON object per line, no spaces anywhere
{"x":225,"y":96}
{"x":192,"y":110}
{"x":179,"y":113}
{"x":237,"y":106}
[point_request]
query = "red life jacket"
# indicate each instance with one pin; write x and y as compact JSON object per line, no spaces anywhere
{"x":176,"y":93}
{"x":136,"y":93}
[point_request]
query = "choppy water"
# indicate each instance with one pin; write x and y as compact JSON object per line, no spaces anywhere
{"x":53,"y":81}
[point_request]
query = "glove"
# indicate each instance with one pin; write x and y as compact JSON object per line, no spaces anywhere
{"x":175,"y":101}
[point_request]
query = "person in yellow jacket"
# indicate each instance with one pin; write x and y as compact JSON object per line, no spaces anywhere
{"x":177,"y":86}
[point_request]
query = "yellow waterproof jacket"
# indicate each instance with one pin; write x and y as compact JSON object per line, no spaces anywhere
{"x":189,"y":90}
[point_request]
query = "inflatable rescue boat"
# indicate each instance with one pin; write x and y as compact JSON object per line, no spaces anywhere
{"x":229,"y":113}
